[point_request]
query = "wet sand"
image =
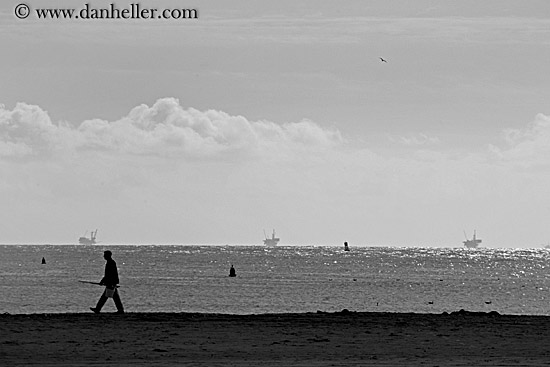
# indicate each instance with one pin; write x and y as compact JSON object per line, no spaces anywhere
{"x":308,"y":339}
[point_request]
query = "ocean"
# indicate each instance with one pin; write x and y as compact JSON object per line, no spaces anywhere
{"x":162,"y":278}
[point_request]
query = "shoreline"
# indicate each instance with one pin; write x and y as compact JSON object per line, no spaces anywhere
{"x":343,"y":312}
{"x":290,"y":339}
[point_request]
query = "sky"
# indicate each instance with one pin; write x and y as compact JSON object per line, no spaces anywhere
{"x":278,"y":115}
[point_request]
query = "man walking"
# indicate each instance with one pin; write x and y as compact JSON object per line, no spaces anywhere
{"x":110,"y":281}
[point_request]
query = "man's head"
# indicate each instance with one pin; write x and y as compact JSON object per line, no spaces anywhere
{"x":107,"y":254}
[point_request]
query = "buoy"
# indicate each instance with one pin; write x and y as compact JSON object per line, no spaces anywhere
{"x":43,"y":261}
{"x":232,"y":272}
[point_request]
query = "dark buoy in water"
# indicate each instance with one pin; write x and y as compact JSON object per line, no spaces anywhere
{"x":232,"y":272}
{"x":346,"y":248}
{"x":43,"y":261}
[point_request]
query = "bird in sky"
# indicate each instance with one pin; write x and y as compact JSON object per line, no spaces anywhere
{"x":381,"y":59}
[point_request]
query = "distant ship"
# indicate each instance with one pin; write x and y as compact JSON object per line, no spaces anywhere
{"x":273,"y":241}
{"x":473,"y":243}
{"x":88,"y":241}
{"x":346,"y":247}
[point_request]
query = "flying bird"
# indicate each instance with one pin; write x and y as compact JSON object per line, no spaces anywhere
{"x":381,"y":59}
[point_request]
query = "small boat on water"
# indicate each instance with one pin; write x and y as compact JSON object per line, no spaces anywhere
{"x":273,"y":241}
{"x":88,"y":241}
{"x":346,"y":247}
{"x":473,"y":243}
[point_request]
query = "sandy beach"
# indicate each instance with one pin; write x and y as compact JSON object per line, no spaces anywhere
{"x":308,"y":339}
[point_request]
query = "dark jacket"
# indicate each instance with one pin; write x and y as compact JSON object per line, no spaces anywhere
{"x":111,"y":274}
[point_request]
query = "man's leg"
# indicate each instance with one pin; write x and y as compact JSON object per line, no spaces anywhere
{"x":100,"y":303}
{"x":118,"y":302}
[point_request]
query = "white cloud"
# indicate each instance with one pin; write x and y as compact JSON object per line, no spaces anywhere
{"x":27,"y":131}
{"x":163,"y":129}
{"x":527,"y":147}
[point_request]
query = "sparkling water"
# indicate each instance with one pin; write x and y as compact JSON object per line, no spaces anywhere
{"x":276,"y":279}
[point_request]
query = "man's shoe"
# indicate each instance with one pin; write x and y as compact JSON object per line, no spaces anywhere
{"x":94,"y":309}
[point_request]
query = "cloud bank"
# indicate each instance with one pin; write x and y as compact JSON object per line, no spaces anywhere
{"x":163,"y":129}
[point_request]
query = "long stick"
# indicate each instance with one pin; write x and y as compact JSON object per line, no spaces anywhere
{"x":96,"y":283}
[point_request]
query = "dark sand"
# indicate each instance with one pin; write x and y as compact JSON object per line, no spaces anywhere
{"x":309,"y":339}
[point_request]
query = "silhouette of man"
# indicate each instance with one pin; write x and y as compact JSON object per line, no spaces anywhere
{"x":110,"y":281}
